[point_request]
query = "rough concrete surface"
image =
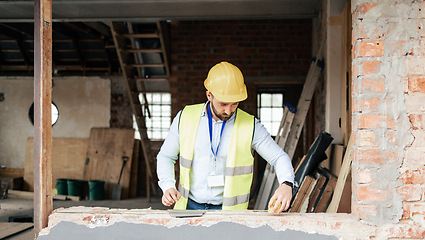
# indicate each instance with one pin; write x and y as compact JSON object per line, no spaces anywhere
{"x":222,"y":230}
{"x":104,"y":223}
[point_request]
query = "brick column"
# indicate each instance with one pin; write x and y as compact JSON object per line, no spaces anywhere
{"x":388,"y":80}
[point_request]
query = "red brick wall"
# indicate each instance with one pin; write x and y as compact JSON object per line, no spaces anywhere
{"x":259,"y":48}
{"x":388,"y":117}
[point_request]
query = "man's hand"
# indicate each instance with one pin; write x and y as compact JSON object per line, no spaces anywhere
{"x":281,"y":199}
{"x":170,"y":197}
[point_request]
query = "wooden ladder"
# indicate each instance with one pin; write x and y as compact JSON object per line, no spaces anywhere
{"x":290,"y":129}
{"x":142,"y":53}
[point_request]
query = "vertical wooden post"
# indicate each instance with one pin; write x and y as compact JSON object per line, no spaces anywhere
{"x":43,"y":204}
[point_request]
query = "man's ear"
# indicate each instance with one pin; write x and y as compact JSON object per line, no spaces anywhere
{"x":208,"y":94}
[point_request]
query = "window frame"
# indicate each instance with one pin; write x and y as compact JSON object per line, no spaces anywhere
{"x":270,"y":90}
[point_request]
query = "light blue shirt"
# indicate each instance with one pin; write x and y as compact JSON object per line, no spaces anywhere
{"x":204,"y":160}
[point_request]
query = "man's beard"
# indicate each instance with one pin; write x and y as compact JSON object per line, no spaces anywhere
{"x":222,"y":117}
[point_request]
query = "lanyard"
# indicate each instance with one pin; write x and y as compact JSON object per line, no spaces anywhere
{"x":210,"y":128}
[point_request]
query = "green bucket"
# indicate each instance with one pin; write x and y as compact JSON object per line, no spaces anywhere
{"x":62,"y":186}
{"x":75,"y":187}
{"x":96,"y":189}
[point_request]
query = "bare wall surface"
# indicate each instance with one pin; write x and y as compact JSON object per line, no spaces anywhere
{"x":83,"y":103}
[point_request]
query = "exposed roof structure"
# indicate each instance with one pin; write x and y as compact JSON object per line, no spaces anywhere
{"x":82,"y":39}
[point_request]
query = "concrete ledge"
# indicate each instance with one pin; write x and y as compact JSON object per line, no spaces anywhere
{"x":105,"y":223}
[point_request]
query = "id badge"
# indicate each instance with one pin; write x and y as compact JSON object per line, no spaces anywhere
{"x":215,"y":181}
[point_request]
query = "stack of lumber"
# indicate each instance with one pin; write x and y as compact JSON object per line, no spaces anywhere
{"x":323,"y":191}
{"x":315,"y":192}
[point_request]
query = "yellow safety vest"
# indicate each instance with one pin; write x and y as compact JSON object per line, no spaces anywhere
{"x":239,"y":163}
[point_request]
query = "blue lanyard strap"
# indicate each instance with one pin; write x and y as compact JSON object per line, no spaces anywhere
{"x":210,"y":128}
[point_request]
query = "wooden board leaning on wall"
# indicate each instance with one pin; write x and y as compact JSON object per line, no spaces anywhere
{"x":68,"y":158}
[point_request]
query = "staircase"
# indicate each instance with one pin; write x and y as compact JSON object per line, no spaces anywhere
{"x":142,"y":50}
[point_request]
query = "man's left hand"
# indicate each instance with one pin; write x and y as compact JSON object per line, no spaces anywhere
{"x":281,"y":199}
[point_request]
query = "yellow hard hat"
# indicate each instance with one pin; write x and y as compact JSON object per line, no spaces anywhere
{"x":225,"y":81}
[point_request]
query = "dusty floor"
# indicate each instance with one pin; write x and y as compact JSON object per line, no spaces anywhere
{"x":24,"y":207}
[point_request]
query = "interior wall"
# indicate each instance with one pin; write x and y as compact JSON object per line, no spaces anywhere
{"x":121,"y":112}
{"x":83,"y":103}
{"x":262,"y":49}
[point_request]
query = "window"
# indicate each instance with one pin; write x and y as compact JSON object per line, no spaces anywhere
{"x":160,"y":115}
{"x":270,"y":109}
{"x":55,"y":114}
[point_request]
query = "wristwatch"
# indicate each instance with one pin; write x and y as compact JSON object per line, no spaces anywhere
{"x":288,"y":183}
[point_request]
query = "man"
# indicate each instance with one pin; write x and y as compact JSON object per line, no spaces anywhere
{"x":214,"y":142}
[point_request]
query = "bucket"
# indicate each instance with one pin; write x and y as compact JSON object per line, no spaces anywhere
{"x":96,"y":189}
{"x":75,"y":187}
{"x":62,"y":186}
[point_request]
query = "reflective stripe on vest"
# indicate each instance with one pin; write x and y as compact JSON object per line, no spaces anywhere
{"x":239,"y":163}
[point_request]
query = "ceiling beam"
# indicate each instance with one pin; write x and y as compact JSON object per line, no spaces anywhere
{"x":101,"y":28}
{"x":149,"y":10}
{"x":10,"y":32}
{"x":23,"y":28}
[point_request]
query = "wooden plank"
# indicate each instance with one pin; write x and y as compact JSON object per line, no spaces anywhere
{"x":140,"y":35}
{"x":134,"y":170}
{"x":107,"y":147}
{"x":314,"y":196}
{"x":12,"y":172}
{"x":20,"y":194}
{"x":342,"y":177}
{"x":325,"y":199}
{"x":303,"y":193}
{"x":165,"y":39}
{"x":67,"y":197}
{"x":43,"y":27}
{"x":299,"y":165}
{"x":68,"y":160}
{"x":345,"y":202}
{"x":306,"y":97}
{"x":9,"y":229}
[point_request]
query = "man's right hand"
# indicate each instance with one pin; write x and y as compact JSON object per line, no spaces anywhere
{"x":170,"y":197}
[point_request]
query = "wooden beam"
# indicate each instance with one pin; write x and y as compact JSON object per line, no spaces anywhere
{"x":101,"y":28}
{"x":145,"y":50}
{"x":140,"y":35}
{"x":165,"y":38}
{"x":23,"y":28}
{"x":20,"y":194}
{"x":43,"y":203}
{"x":342,"y":177}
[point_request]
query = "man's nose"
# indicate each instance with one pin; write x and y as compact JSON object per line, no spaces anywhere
{"x":228,"y":110}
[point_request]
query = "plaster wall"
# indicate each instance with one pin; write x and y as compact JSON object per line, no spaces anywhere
{"x":103,"y":223}
{"x":83,"y":103}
